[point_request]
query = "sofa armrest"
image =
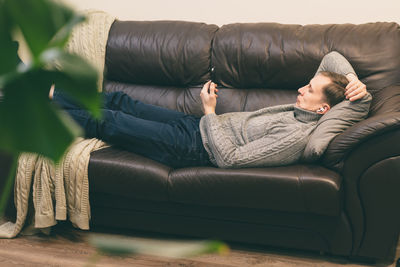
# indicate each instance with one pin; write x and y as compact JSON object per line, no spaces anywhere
{"x":344,"y":144}
{"x":371,"y":182}
{"x":368,"y":157}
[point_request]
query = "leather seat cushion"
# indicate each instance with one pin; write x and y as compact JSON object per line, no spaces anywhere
{"x":118,"y":172}
{"x":296,"y":188}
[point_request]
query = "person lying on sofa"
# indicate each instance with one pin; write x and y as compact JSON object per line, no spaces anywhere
{"x":272,"y":136}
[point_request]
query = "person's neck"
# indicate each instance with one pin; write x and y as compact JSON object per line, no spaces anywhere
{"x":306,"y":115}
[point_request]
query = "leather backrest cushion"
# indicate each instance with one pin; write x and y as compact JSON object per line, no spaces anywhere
{"x":187,"y":99}
{"x":159,"y":52}
{"x":271,"y":55}
{"x":271,"y":59}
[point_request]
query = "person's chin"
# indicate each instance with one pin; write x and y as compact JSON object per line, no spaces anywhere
{"x":297,"y":102}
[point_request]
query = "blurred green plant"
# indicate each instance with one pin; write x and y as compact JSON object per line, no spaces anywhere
{"x":115,"y":245}
{"x":29,"y":121}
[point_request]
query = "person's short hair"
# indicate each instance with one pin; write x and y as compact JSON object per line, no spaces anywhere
{"x":334,"y":91}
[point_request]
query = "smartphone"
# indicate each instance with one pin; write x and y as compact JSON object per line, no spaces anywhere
{"x":212,"y":74}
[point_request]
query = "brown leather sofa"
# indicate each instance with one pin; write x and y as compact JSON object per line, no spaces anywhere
{"x":347,"y":203}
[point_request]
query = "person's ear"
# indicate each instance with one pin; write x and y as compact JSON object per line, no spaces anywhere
{"x":324,"y":109}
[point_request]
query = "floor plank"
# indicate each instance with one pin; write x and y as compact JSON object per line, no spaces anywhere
{"x":66,"y":246}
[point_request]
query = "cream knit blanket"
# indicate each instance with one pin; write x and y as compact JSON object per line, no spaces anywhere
{"x":62,"y":191}
{"x":89,"y":40}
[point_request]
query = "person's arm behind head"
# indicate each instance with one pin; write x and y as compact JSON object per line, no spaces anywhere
{"x":336,"y":62}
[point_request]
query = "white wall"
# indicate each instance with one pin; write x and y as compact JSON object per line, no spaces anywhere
{"x":227,"y":11}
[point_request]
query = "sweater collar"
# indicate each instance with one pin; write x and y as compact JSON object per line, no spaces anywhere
{"x":306,"y":115}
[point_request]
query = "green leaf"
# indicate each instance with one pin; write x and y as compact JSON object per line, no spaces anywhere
{"x":30,"y":122}
{"x":74,"y":76}
{"x":8,"y":186}
{"x":62,"y":36}
{"x":8,"y":48}
{"x":118,"y":245}
{"x":40,"y":21}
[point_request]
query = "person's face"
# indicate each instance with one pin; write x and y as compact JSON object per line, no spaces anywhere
{"x":311,"y":96}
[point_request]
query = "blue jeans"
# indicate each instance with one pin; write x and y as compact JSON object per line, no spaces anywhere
{"x":169,"y":137}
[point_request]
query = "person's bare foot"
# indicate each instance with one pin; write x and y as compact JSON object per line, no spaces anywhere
{"x":51,"y":92}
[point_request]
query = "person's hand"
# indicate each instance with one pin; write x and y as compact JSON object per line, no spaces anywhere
{"x":208,"y":97}
{"x":355,"y":89}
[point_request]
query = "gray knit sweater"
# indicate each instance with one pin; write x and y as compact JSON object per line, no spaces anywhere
{"x":271,"y":136}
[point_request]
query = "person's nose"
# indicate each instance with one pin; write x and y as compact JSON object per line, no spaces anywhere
{"x":301,"y":90}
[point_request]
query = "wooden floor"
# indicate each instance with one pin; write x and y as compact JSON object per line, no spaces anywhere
{"x":68,"y":247}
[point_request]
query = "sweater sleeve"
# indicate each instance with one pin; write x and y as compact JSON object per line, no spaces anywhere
{"x":335,"y":62}
{"x":260,"y":152}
